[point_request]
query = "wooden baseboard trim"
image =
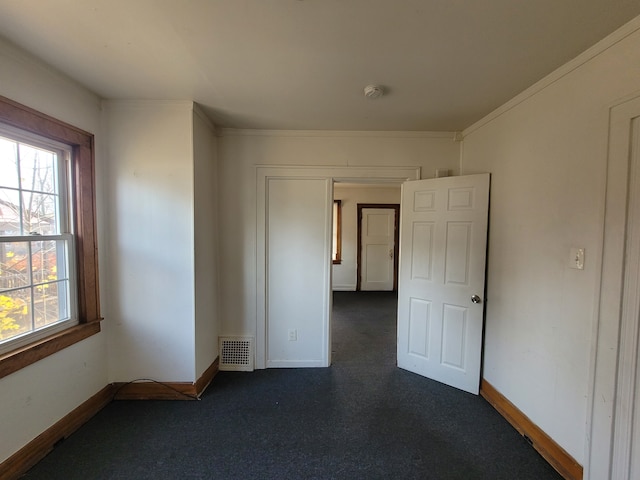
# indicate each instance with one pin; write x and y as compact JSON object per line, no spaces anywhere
{"x":25,"y":458}
{"x":39,"y":447}
{"x":153,"y":390}
{"x":207,"y":377}
{"x":150,"y":390}
{"x":553,"y":453}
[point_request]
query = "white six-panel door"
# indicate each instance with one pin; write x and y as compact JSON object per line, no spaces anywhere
{"x":443,"y":238}
{"x":377,"y":249}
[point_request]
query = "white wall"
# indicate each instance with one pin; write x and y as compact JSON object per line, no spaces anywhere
{"x":345,"y":274}
{"x":205,"y":161}
{"x":150,"y":243}
{"x":39,"y":395}
{"x":298,"y":233}
{"x":547,"y":153}
{"x":241,"y":151}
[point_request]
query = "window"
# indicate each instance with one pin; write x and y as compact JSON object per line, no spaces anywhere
{"x":48,"y":258}
{"x":35,"y":238}
{"x":337,"y":232}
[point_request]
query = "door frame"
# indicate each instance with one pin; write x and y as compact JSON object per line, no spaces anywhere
{"x":396,"y":237}
{"x":364,"y":175}
{"x":615,"y":331}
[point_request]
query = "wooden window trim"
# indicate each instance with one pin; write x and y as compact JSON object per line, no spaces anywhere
{"x":338,"y":259}
{"x":83,"y":211}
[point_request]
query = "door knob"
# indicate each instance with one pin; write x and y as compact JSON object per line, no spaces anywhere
{"x":476,"y":299}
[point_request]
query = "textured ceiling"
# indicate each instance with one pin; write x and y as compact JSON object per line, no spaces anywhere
{"x":303,"y":64}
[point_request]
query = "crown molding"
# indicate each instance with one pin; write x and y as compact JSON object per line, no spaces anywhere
{"x":238,"y":132}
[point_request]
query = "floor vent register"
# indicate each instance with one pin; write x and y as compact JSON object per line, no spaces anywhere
{"x":236,"y":354}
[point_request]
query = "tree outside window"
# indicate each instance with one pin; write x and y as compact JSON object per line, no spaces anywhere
{"x":34,"y":235}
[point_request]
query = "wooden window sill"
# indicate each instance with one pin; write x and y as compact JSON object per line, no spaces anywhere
{"x":15,"y":360}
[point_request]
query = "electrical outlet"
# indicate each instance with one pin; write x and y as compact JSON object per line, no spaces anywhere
{"x":293,"y":335}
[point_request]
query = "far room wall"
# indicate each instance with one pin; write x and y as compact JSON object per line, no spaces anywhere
{"x":242,"y":151}
{"x":151,"y":239}
{"x":206,"y":240}
{"x":163,"y":212}
{"x":345,"y":273}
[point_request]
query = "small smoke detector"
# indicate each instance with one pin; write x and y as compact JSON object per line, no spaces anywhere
{"x":373,"y":91}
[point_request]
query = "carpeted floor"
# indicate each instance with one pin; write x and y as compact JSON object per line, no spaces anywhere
{"x":362,"y":418}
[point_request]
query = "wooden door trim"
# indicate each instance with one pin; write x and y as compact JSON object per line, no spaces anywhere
{"x":396,"y":238}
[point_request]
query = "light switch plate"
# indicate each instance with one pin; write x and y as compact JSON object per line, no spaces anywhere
{"x":576,"y":258}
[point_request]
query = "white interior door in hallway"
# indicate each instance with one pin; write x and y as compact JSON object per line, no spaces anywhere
{"x":377,"y":248}
{"x":443,"y":241}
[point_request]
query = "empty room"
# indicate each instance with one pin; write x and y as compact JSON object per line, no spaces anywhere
{"x":320,"y":239}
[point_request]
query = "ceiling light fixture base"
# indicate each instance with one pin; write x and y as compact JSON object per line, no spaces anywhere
{"x":373,"y":91}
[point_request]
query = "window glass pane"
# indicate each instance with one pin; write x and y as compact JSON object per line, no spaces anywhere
{"x":39,"y":290}
{"x":15,"y":313}
{"x":9,"y":212}
{"x":8,"y":163}
{"x":50,"y":303}
{"x":48,"y":261}
{"x":34,"y":286}
{"x":38,"y":171}
{"x":14,"y":265}
{"x":39,"y":213}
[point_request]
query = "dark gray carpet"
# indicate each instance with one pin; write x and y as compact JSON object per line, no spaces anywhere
{"x":363,"y":418}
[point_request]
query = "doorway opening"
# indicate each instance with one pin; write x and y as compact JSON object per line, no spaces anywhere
{"x":364,"y":320}
{"x":294,"y":241}
{"x":364,"y":329}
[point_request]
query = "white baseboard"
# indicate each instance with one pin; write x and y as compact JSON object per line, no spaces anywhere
{"x":344,"y":288}
{"x":296,"y":364}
